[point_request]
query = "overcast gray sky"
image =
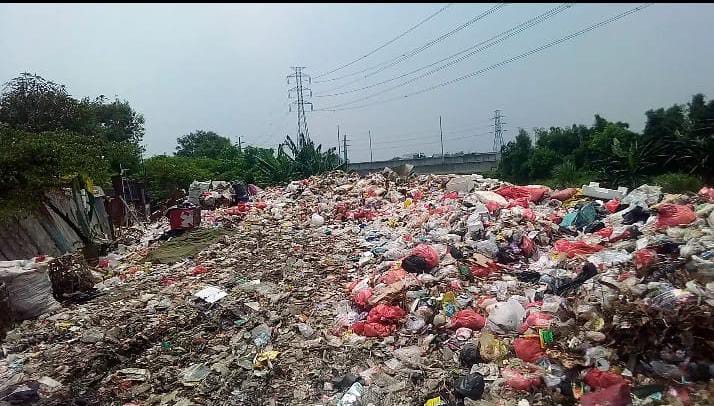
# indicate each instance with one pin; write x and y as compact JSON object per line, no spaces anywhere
{"x":223,"y":67}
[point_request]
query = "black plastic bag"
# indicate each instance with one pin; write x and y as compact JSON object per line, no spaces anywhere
{"x":470,"y":386}
{"x":638,"y":213}
{"x":415,"y":264}
{"x":469,"y":355}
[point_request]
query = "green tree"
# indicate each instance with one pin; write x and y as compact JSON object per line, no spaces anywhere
{"x":203,"y":144}
{"x":515,"y":156}
{"x":166,"y":174}
{"x":542,"y":162}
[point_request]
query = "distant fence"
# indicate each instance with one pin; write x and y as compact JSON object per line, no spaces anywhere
{"x":460,"y":164}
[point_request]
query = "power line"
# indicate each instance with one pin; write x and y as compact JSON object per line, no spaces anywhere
{"x":385,"y":44}
{"x":506,"y":34}
{"x":497,"y":65}
{"x":425,"y":46}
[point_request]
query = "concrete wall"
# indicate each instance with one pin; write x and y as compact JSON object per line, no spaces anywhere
{"x":464,"y":164}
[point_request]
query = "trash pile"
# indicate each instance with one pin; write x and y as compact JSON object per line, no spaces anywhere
{"x":433,"y":290}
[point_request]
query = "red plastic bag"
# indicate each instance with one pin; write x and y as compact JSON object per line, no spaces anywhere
{"x":383,"y":313}
{"x":564,"y":194}
{"x":527,"y":246}
{"x":533,"y":193}
{"x":362,"y":297}
{"x":573,"y":248}
{"x":394,"y":275}
{"x":528,"y":214}
{"x":451,"y":195}
{"x":198,"y":270}
{"x":644,"y":258}
{"x":615,"y":395}
{"x":528,"y":349}
{"x":483,"y":271}
{"x":103,"y":263}
{"x":536,"y":319}
{"x":261,"y":205}
{"x":707,"y":193}
{"x":519,"y":381}
{"x":612,"y":205}
{"x":674,"y":215}
{"x":468,"y":318}
{"x":604,"y":232}
{"x":368,"y":329}
{"x":599,"y":379}
{"x":427,"y":253}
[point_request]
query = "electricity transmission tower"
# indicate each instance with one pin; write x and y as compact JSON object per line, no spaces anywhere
{"x":498,"y":131}
{"x":300,"y":90}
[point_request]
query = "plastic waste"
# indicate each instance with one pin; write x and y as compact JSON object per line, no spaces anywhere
{"x":414,"y":323}
{"x":602,"y":379}
{"x":352,"y":396}
{"x":609,"y":258}
{"x":574,"y":248}
{"x":317,"y":220}
{"x":644,"y":258}
{"x":669,"y":215}
{"x":528,"y":349}
{"x":469,"y":355}
{"x":491,"y":348}
{"x":468,"y":318}
{"x":470,"y":386}
{"x":368,"y":329}
{"x":520,"y":381}
{"x":533,"y":193}
{"x":636,"y":214}
{"x":615,"y":395}
{"x":707,"y":193}
{"x":261,"y":335}
{"x":506,"y":316}
{"x":383,"y":313}
{"x":564,"y":194}
{"x":612,"y":205}
{"x":644,"y":195}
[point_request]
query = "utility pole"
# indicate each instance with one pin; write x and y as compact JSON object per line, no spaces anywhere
{"x":370,"y":145}
{"x":240,"y":145}
{"x":497,"y":131}
{"x":441,"y":135}
{"x":344,"y":148}
{"x":339,"y":149}
{"x":300,"y":90}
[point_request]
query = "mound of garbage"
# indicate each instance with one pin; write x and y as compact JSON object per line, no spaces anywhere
{"x":431,"y":290}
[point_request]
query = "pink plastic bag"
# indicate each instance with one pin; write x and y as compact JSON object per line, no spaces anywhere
{"x":392,"y":276}
{"x":362,"y":297}
{"x":674,"y":215}
{"x":468,"y":318}
{"x":574,"y":248}
{"x":536,"y":319}
{"x":519,"y":381}
{"x":707,"y":193}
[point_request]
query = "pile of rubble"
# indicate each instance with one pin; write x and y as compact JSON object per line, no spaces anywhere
{"x":437,"y":290}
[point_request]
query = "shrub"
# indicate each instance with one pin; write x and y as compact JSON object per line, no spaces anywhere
{"x":568,"y":174}
{"x":678,"y":182}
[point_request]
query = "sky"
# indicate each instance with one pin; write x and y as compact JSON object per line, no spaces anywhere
{"x":224,"y":67}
